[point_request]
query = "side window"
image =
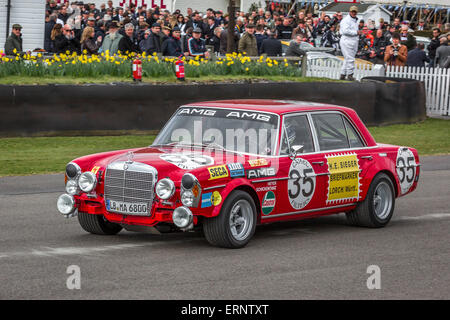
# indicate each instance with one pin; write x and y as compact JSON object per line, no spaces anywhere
{"x":353,"y":137}
{"x":296,"y":131}
{"x":331,"y":131}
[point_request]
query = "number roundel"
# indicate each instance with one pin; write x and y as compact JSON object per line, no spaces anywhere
{"x":301,"y":183}
{"x":406,"y":168}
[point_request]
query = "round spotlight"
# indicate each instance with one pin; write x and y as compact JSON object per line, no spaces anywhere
{"x":72,"y":187}
{"x":87,"y":181}
{"x":65,"y":204}
{"x":165,"y":188}
{"x":182,"y":217}
{"x":187,"y":198}
{"x":73,"y":170}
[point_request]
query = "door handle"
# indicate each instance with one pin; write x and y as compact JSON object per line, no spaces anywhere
{"x":370,"y":158}
{"x":320,"y":163}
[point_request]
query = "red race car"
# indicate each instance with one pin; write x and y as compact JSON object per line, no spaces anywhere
{"x":226,"y":166}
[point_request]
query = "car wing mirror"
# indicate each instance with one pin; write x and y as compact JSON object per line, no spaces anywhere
{"x":295,"y":150}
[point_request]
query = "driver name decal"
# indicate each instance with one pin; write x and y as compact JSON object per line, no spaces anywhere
{"x":343,"y":183}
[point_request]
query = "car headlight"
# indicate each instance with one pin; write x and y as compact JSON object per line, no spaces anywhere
{"x":187,"y":198}
{"x":65,"y":204}
{"x":72,"y":187}
{"x":73,"y":170}
{"x":87,"y":181}
{"x":165,"y":188}
{"x":182,"y":217}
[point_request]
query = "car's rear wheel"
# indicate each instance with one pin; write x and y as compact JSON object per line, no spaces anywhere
{"x":236,"y":223}
{"x":97,"y":224}
{"x":378,"y":207}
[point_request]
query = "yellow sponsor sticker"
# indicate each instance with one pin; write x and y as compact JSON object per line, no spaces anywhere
{"x":344,"y":177}
{"x":258,"y":162}
{"x":95,"y":170}
{"x":218,"y":172}
{"x":216,"y":198}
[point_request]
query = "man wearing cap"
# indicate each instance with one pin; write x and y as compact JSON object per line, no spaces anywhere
{"x":112,"y":40}
{"x":172,"y":46}
{"x":349,"y":42}
{"x":196,"y":45}
{"x":248,"y":43}
{"x":14,"y":41}
{"x":152,"y":42}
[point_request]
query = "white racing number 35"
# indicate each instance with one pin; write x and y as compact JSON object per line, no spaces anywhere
{"x":406,"y":168}
{"x":301,"y":183}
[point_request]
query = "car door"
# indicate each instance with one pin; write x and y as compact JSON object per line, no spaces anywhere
{"x":301,"y":178}
{"x":345,"y":155}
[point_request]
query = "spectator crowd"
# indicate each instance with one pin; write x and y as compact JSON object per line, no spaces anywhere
{"x":82,"y":27}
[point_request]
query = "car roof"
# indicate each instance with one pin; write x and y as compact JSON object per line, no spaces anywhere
{"x":274,"y":106}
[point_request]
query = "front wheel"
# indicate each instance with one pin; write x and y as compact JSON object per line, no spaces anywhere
{"x":97,"y":224}
{"x":378,"y":207}
{"x":235,"y":224}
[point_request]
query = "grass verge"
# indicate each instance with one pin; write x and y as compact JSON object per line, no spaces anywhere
{"x":38,"y":155}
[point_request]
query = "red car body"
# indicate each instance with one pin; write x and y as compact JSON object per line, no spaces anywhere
{"x":332,"y":181}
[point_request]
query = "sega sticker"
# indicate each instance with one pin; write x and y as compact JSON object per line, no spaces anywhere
{"x":236,"y":170}
{"x":108,"y":205}
{"x":218,"y":172}
{"x":206,"y":200}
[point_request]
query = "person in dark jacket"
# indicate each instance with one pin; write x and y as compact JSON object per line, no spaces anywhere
{"x":50,"y":22}
{"x":260,"y":36}
{"x":172,"y":45}
{"x":128,"y":43}
{"x":272,"y":46}
{"x":197,"y":45}
{"x":434,"y":44}
{"x":14,"y":41}
{"x":294,"y":46}
{"x":67,"y":41}
{"x":196,"y":22}
{"x":88,"y":43}
{"x":284,"y":31}
{"x":215,"y":40}
{"x":380,"y":42}
{"x":152,"y":42}
{"x":224,"y":41}
{"x":417,"y":57}
{"x":407,"y":39}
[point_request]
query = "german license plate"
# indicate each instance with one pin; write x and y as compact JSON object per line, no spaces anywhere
{"x":129,"y":208}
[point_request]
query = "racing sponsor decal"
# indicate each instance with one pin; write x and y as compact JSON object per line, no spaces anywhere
{"x":218,"y":172}
{"x":261,"y":173}
{"x":271,"y":186}
{"x":343,"y":183}
{"x":268,"y":203}
{"x":206,"y":200}
{"x":95,"y":170}
{"x":258,"y":162}
{"x":216,"y":198}
{"x":301,"y":183}
{"x":188,"y":161}
{"x":406,"y":168}
{"x":236,"y":170}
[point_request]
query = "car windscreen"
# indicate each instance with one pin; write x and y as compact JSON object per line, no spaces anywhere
{"x":236,"y":130}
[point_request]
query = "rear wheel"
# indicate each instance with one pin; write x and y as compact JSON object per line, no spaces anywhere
{"x":97,"y":224}
{"x":236,"y":223}
{"x":378,"y":207}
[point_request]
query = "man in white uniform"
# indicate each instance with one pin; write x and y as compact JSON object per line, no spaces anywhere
{"x":349,"y":42}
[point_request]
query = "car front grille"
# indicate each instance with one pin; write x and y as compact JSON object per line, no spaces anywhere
{"x":130,"y":182}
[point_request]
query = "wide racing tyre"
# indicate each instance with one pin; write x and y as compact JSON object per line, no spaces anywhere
{"x":378,"y":207}
{"x":97,"y":224}
{"x":236,"y":223}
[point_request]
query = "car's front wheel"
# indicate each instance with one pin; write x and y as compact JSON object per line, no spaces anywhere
{"x":378,"y":207}
{"x":236,"y":223}
{"x":97,"y":224}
